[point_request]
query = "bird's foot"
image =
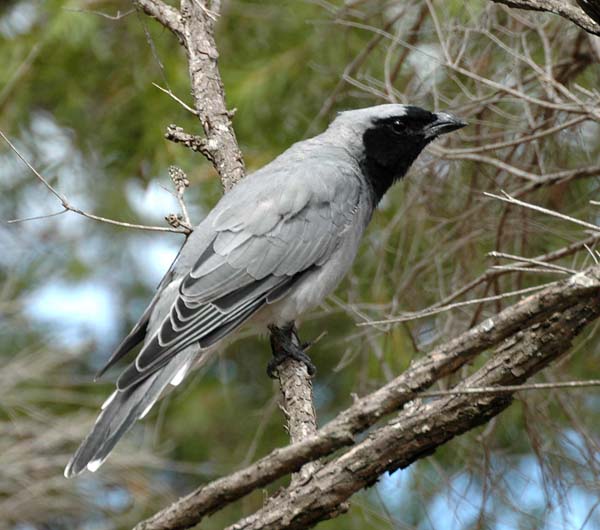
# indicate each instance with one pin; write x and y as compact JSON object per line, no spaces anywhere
{"x":298,"y":355}
{"x":285,"y":344}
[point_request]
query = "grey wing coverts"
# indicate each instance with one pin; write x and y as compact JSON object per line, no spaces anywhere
{"x":273,"y":230}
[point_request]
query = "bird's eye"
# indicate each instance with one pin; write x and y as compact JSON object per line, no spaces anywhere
{"x":398,"y":126}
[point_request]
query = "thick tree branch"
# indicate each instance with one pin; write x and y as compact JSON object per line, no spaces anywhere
{"x":366,"y":411}
{"x":208,"y":92}
{"x":420,"y":429}
{"x":194,"y":27}
{"x":558,"y":7}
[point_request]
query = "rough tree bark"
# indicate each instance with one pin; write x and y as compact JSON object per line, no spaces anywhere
{"x":297,"y":403}
{"x":420,"y":428}
{"x":558,"y":7}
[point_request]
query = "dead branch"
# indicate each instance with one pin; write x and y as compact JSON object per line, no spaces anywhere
{"x":505,"y":197}
{"x":512,"y":388}
{"x":418,"y":430}
{"x":208,"y":91}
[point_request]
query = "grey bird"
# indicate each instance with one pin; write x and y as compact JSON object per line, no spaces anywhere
{"x":272,"y":248}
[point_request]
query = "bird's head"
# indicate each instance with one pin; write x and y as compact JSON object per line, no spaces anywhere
{"x":387,"y":139}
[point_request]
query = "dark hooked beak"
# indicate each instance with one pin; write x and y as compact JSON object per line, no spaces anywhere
{"x":443,"y":124}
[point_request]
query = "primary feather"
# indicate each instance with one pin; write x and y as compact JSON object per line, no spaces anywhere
{"x":272,"y":248}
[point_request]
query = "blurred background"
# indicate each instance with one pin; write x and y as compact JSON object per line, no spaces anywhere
{"x":78,"y":101}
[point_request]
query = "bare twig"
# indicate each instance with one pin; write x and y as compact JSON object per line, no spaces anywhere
{"x":505,"y":197}
{"x":515,"y":268}
{"x":36,"y":217}
{"x":68,"y":206}
{"x":534,"y":261}
{"x":518,"y":141}
{"x":118,"y":16}
{"x":181,"y":182}
{"x":195,"y":143}
{"x":434,"y":311}
{"x":20,"y":72}
{"x":511,"y":388}
{"x":491,"y":273}
{"x":180,"y":101}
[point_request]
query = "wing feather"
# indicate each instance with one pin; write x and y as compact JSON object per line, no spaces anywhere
{"x":254,"y":257}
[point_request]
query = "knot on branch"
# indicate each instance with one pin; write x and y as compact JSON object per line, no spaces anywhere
{"x":195,"y":143}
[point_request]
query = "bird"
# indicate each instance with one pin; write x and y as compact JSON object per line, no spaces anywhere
{"x":271,"y":249}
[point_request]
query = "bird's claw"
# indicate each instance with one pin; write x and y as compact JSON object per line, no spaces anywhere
{"x":297,"y":355}
{"x":286,"y":345}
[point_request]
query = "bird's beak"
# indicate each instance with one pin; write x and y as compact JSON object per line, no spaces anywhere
{"x":443,"y":124}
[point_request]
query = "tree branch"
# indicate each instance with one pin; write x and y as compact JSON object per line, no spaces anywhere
{"x":297,"y":403}
{"x":420,"y":429}
{"x":196,"y":143}
{"x":221,"y":145}
{"x":365,"y":412}
{"x":558,"y":7}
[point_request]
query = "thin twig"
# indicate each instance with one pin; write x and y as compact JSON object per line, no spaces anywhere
{"x":118,"y":16}
{"x":519,"y":141}
{"x":591,"y":253}
{"x":492,"y":273}
{"x":514,"y":268}
{"x":68,"y":206}
{"x":181,"y":102}
{"x":60,"y":197}
{"x":521,"y":259}
{"x":181,"y":183}
{"x":510,"y":388}
{"x":449,"y":307}
{"x":36,"y":217}
{"x":505,"y":197}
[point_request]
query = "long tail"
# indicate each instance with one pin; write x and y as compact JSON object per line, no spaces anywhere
{"x":122,"y":409}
